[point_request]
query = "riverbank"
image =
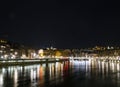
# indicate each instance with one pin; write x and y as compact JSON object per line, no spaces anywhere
{"x":11,"y":62}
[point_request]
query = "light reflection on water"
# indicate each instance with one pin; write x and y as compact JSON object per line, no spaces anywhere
{"x":69,"y":73}
{"x":32,"y":75}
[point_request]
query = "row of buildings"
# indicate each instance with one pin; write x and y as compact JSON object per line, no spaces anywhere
{"x":11,"y":50}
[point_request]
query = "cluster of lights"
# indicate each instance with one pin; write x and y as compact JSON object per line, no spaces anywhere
{"x":3,"y":41}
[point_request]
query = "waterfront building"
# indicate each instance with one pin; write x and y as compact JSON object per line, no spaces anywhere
{"x":4,"y":49}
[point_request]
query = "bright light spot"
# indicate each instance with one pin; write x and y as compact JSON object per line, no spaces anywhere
{"x":41,"y":52}
{"x":16,"y":53}
{"x":5,"y":56}
{"x":1,"y":80}
{"x":2,"y":57}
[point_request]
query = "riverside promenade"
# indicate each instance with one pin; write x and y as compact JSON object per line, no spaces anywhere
{"x":9,"y":62}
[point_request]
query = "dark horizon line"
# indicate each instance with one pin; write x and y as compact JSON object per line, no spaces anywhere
{"x":43,"y":46}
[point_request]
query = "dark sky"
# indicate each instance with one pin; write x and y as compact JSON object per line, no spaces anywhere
{"x":62,"y":24}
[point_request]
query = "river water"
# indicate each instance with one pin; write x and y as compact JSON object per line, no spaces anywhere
{"x":62,"y":74}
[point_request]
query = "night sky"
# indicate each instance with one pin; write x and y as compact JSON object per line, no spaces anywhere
{"x":61,"y":24}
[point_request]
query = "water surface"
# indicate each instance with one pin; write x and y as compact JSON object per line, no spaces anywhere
{"x":62,"y":74}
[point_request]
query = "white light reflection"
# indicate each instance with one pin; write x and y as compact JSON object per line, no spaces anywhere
{"x":3,"y":70}
{"x":118,"y":69}
{"x":99,"y":65}
{"x":15,"y":77}
{"x":50,"y":71}
{"x":56,"y":69}
{"x":1,"y":80}
{"x":61,"y":69}
{"x":89,"y":68}
{"x":103,"y":69}
{"x":33,"y":74}
{"x":112,"y":67}
{"x":106,"y":68}
{"x":87,"y":65}
{"x":10,"y":71}
{"x":57,"y":72}
{"x":38,"y":66}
